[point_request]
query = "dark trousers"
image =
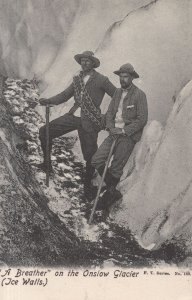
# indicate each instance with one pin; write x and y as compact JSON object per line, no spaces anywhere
{"x":66,"y":124}
{"x":122,"y":150}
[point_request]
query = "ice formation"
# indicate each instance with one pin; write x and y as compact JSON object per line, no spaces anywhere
{"x":42,"y":38}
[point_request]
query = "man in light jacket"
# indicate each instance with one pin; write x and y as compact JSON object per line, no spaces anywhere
{"x":126,"y":117}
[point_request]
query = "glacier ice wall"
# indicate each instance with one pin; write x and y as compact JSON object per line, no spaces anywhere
{"x":40,"y":38}
{"x":31,"y":33}
{"x":157,"y":195}
{"x":156,"y":39}
{"x":36,"y":33}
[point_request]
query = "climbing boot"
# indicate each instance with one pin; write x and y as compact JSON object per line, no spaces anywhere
{"x":89,"y":189}
{"x":111,"y":195}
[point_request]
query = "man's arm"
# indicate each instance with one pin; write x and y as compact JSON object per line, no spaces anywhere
{"x":142,"y":116}
{"x":60,"y":98}
{"x":108,"y":87}
{"x":110,"y":123}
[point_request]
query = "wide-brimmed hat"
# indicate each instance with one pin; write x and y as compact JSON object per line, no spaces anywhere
{"x":90,"y":55}
{"x":127,"y":68}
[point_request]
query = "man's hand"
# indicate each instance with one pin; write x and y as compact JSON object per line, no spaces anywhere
{"x":44,"y":101}
{"x":115,"y":131}
{"x":32,"y":103}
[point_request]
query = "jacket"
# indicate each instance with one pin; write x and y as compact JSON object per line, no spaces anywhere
{"x":134,"y":112}
{"x":97,"y":86}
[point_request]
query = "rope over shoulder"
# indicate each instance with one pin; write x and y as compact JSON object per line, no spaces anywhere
{"x":83,"y":99}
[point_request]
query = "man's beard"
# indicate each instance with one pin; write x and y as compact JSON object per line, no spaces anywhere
{"x":125,"y":85}
{"x":86,"y":69}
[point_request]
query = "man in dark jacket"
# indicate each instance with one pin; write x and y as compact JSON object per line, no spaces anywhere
{"x":126,"y":117}
{"x":88,"y":89}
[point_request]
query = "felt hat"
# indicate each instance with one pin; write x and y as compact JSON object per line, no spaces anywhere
{"x":90,"y":55}
{"x":127,"y":68}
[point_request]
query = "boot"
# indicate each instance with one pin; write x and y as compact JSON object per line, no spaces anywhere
{"x":111,"y":195}
{"x":90,"y":190}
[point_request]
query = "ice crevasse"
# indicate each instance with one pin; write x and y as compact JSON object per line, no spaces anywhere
{"x":157,"y":181}
{"x":40,"y":38}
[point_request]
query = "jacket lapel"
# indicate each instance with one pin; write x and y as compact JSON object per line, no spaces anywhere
{"x":128,"y":98}
{"x":117,"y":100}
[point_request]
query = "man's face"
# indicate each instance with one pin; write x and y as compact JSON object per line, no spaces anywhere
{"x":125,"y":80}
{"x":86,"y":64}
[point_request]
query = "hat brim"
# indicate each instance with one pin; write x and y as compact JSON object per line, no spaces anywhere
{"x":96,"y":61}
{"x":134,"y":74}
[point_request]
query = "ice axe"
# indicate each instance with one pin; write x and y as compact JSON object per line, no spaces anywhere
{"x":47,"y":146}
{"x":101,"y":183}
{"x":47,"y":154}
